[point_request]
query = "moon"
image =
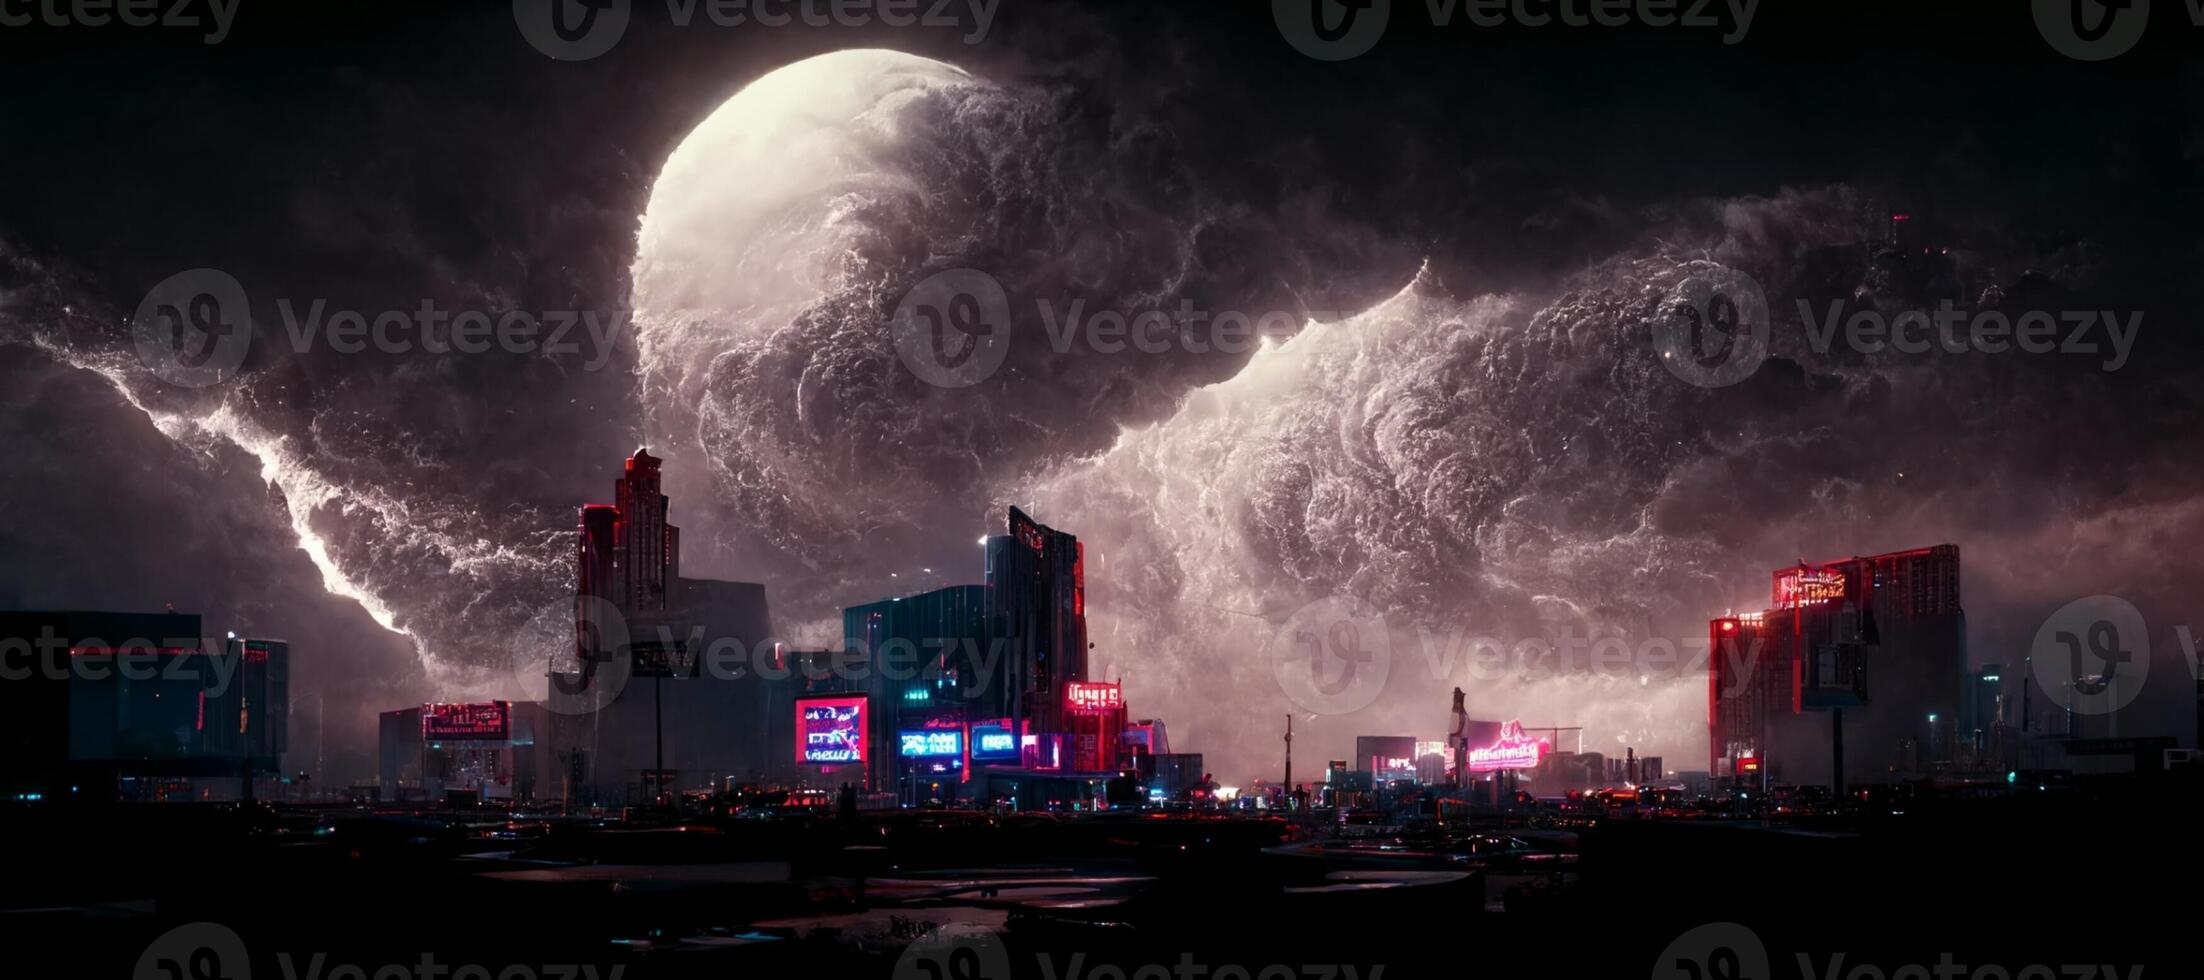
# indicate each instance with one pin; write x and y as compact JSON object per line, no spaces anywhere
{"x":762,"y":209}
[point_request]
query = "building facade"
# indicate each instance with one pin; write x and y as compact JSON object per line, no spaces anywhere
{"x":663,"y":692}
{"x":139,"y":706}
{"x":1036,"y":580}
{"x":1876,"y":644}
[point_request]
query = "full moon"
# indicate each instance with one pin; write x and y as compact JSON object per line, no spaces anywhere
{"x":762,"y":209}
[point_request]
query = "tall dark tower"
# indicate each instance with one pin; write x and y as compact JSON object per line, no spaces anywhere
{"x":648,"y":545}
{"x":1037,"y":582}
{"x":597,"y":582}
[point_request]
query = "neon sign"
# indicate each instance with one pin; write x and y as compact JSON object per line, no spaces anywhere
{"x":994,"y":740}
{"x":1089,"y":698}
{"x":933,"y":744}
{"x":469,"y":720}
{"x":1804,"y":586}
{"x":830,"y":731}
{"x":1513,"y":750}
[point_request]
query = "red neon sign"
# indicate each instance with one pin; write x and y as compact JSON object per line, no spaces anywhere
{"x":1804,"y":586}
{"x":830,"y":731}
{"x":1513,"y":750}
{"x":479,"y":719}
{"x":1089,"y":698}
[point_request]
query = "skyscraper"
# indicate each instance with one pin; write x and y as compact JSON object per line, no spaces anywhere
{"x":1880,"y":639}
{"x":650,"y":548}
{"x":627,"y":555}
{"x":635,"y":616}
{"x":1036,"y":579}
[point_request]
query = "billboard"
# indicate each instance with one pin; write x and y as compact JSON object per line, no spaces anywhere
{"x":830,"y":731}
{"x":490,"y":720}
{"x":932,"y":743}
{"x":1806,"y":586}
{"x":1394,"y":756}
{"x":1512,"y":750}
{"x":1092,"y":698}
{"x":994,"y":741}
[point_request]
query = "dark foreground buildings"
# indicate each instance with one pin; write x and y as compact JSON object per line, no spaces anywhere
{"x":1877,"y":644}
{"x":138,"y":707}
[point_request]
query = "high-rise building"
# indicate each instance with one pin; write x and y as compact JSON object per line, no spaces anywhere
{"x":674,"y":658}
{"x":936,"y":662}
{"x":1036,"y":581}
{"x":650,"y":548}
{"x":1878,"y":642}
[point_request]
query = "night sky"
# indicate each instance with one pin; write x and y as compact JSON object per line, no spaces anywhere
{"x":1494,"y":448}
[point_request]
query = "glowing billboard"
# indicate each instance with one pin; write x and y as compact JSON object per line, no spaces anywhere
{"x":1512,"y":750}
{"x":488,"y":720}
{"x":1092,"y":698}
{"x":1806,"y":585}
{"x":994,"y":741}
{"x":830,"y":731}
{"x":932,"y":744}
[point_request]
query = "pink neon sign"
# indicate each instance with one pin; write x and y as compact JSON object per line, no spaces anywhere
{"x":1513,"y":750}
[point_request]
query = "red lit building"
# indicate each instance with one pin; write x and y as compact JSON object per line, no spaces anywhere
{"x":645,"y":640}
{"x":1095,"y":714}
{"x":1877,"y":644}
